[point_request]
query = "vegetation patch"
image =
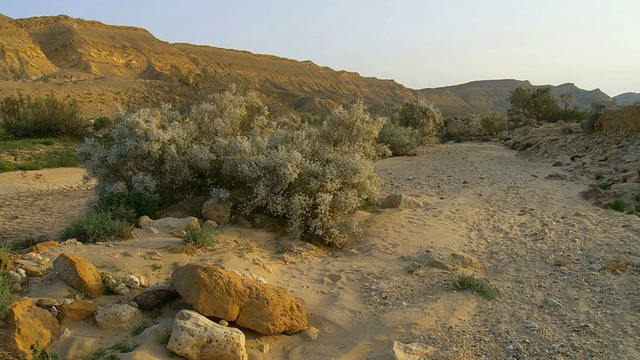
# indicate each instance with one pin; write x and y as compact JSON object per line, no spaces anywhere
{"x":93,"y":226}
{"x":481,"y":287}
{"x":618,"y":204}
{"x":195,"y":235}
{"x":38,"y":154}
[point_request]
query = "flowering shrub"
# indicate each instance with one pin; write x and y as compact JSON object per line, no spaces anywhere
{"x":231,"y":149}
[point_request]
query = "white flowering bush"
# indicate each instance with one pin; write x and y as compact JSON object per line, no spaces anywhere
{"x":231,"y":149}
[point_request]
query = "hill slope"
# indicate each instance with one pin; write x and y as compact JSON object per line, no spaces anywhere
{"x":100,"y":65}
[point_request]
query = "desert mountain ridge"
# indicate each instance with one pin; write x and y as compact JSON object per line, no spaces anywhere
{"x":100,"y":65}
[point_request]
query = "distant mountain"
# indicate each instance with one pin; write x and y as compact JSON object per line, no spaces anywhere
{"x":629,"y":98}
{"x":493,"y":96}
{"x":100,"y":65}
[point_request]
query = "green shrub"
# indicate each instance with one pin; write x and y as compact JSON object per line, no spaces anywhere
{"x":471,"y":282}
{"x":461,"y":128}
{"x":95,"y":226}
{"x":126,"y":206}
{"x":5,"y":136}
{"x":5,"y":293}
{"x":103,"y":122}
{"x":314,"y":178}
{"x":38,"y":353}
{"x":494,"y":125}
{"x":27,"y":117}
{"x":422,"y":116}
{"x":400,"y":140}
{"x":199,"y":236}
{"x":618,"y":204}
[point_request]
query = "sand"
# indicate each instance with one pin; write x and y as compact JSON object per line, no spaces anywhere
{"x":481,"y":200}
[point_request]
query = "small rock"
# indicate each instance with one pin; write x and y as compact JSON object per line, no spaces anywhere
{"x":118,"y":317}
{"x":195,"y":337}
{"x":154,"y":298}
{"x":120,"y":289}
{"x":132,"y":282}
{"x":64,"y":335}
{"x":78,"y":310}
{"x":216,"y":211}
{"x":223,"y":322}
{"x":401,"y":201}
{"x":549,"y":302}
{"x":311,"y":333}
{"x":559,"y":262}
{"x":400,"y":351}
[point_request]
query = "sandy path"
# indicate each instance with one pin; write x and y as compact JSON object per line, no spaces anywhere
{"x":481,"y":200}
{"x":40,"y":203}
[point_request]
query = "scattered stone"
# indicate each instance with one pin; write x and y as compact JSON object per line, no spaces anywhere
{"x":549,"y":302}
{"x":242,"y":221}
{"x":219,"y":293}
{"x":619,"y":263}
{"x":118,"y":317}
{"x":15,"y":277}
{"x":401,"y":201}
{"x":156,"y":331}
{"x":173,"y":225}
{"x":78,"y":310}
{"x":195,"y":337}
{"x":132,"y":282}
{"x":43,"y":246}
{"x":211,"y":224}
{"x":557,"y":163}
{"x":80,"y":273}
{"x":64,"y":335}
{"x":26,"y":324}
{"x":48,"y":303}
{"x":311,"y":333}
{"x":400,"y":351}
{"x":78,"y":347}
{"x":559,"y":262}
{"x":154,"y":298}
{"x":150,"y":230}
{"x":120,"y":289}
{"x":264,"y":348}
{"x":223,"y":322}
{"x":216,"y":211}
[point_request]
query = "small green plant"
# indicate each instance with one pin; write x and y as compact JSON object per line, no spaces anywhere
{"x":7,"y":256}
{"x":138,"y":330}
{"x":199,"y":236}
{"x":618,"y":204}
{"x":368,"y":206}
{"x":155,"y":267}
{"x":39,"y":354}
{"x":103,"y":122}
{"x":471,"y":282}
{"x":95,"y":226}
{"x":5,"y":294}
{"x":124,"y":346}
{"x":97,"y":355}
{"x":415,"y":266}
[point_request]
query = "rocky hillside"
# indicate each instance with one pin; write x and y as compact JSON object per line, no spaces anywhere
{"x":100,"y":65}
{"x":493,"y":95}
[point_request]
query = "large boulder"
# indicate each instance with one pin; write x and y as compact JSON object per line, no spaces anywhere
{"x":118,"y":317}
{"x":26,"y":325}
{"x":172,"y":225}
{"x":216,"y":211}
{"x":195,"y":337}
{"x":219,"y":293}
{"x":80,"y":273}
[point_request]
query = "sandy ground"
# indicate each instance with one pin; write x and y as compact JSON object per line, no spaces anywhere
{"x":481,"y":200}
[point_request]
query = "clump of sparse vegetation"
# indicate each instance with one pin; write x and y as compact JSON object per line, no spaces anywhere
{"x":199,"y":236}
{"x":5,"y":293}
{"x":314,"y":178}
{"x":415,"y":266}
{"x":127,"y":206}
{"x":618,"y":204}
{"x":38,"y":353}
{"x":31,"y":117}
{"x":481,"y":287}
{"x":94,"y":226}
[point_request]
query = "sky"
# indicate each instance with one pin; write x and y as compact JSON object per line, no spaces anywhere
{"x":418,"y":43}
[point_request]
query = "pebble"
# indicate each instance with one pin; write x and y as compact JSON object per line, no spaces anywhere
{"x":550,"y":302}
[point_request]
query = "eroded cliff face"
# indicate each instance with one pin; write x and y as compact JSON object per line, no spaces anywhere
{"x":20,"y":56}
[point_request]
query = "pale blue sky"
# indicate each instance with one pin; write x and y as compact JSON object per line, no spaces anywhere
{"x":418,"y":43}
